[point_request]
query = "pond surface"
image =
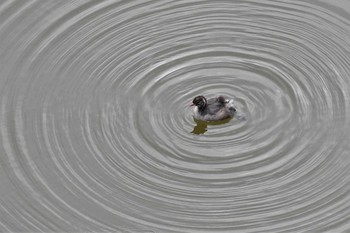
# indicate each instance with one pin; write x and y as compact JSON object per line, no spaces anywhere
{"x":97,"y":134}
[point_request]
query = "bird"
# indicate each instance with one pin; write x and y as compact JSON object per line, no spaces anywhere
{"x":214,"y":109}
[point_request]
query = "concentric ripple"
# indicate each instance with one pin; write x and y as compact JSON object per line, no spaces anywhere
{"x":97,"y":133}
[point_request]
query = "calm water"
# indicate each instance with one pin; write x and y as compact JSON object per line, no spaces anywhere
{"x":96,"y":130}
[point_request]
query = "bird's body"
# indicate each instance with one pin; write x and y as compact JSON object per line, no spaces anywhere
{"x":213,"y":109}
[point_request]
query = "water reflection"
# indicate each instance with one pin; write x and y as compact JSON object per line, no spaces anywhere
{"x":202,"y":126}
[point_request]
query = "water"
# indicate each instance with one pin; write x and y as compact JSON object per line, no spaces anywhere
{"x":96,"y":130}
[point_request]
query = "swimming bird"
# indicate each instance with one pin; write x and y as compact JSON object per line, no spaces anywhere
{"x":213,"y":109}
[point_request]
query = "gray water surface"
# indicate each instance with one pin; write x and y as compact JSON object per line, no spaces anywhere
{"x":96,"y":132}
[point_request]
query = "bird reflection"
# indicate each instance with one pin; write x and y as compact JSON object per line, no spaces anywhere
{"x":202,"y":126}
